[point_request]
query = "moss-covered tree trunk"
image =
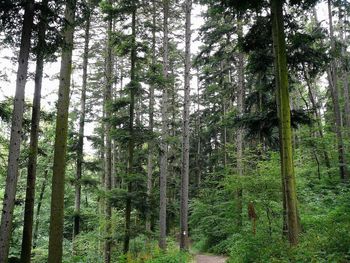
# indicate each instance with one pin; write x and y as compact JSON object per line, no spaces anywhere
{"x":60,"y":148}
{"x":16,"y":134}
{"x":33,"y":147}
{"x":287,"y":167}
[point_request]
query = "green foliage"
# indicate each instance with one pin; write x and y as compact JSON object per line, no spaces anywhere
{"x":324,"y":209}
{"x":139,"y":253}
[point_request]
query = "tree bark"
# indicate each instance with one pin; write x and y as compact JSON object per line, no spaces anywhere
{"x":80,"y":147}
{"x":151,"y":122}
{"x":16,"y":133}
{"x":133,"y":86}
{"x":164,"y":144}
{"x":184,"y":244}
{"x":345,"y":74}
{"x":287,"y":167}
{"x":108,"y":148}
{"x":333,"y":85}
{"x":38,"y":208}
{"x":59,"y":165}
{"x":239,"y":139}
{"x":33,"y":148}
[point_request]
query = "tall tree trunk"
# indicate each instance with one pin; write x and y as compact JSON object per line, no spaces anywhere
{"x":80,"y":147}
{"x":102,"y":182}
{"x":59,"y":163}
{"x":16,"y":133}
{"x":198,"y":128}
{"x":185,"y":134}
{"x":345,"y":72}
{"x":333,"y":85}
{"x":151,"y":122}
{"x":108,"y":148}
{"x":133,"y":86}
{"x":239,"y":139}
{"x":287,"y":167}
{"x":33,"y":148}
{"x":164,"y":144}
{"x":38,"y":208}
{"x":317,"y":115}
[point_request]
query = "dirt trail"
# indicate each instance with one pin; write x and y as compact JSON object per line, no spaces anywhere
{"x":210,"y":259}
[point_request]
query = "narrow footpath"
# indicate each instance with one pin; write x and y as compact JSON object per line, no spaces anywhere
{"x":210,"y":259}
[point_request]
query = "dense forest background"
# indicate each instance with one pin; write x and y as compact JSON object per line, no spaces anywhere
{"x":152,"y":131}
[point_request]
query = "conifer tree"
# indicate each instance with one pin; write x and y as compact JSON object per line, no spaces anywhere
{"x":60,"y":148}
{"x":184,"y":242}
{"x":34,"y":133}
{"x":16,"y":133}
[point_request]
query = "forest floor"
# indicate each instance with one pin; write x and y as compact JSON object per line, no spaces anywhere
{"x":210,"y":259}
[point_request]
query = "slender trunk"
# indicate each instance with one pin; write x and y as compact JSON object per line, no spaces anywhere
{"x":317,"y":116}
{"x":225,"y":132}
{"x":38,"y":208}
{"x":239,"y":139}
{"x":133,"y":86}
{"x":108,"y":148}
{"x":102,"y":182}
{"x":59,"y":165}
{"x":332,"y":77}
{"x":185,"y":139}
{"x":198,"y":121}
{"x":287,"y":166}
{"x":164,"y":144}
{"x":151,"y":122}
{"x":16,"y":133}
{"x":345,"y":73}
{"x":33,"y":148}
{"x":80,"y":148}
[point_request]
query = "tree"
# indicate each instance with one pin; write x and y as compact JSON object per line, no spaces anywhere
{"x":34,"y":133}
{"x":164,"y":145}
{"x":240,"y":132}
{"x":282,"y":93}
{"x":133,"y":85}
{"x":80,"y":146}
{"x":185,"y":134}
{"x":59,"y":165}
{"x":16,"y":133}
{"x":108,"y":145}
{"x":151,"y":119}
{"x":333,"y":85}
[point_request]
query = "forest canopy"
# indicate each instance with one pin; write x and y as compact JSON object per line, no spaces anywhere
{"x":164,"y":131}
